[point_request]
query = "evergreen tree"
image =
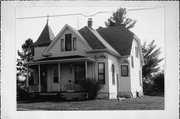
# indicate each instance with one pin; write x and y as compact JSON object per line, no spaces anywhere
{"x":119,"y":18}
{"x":151,"y":59}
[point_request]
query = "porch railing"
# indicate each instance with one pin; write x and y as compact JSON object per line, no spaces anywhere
{"x":73,"y":87}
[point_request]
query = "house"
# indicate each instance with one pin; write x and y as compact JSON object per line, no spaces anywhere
{"x":111,"y":55}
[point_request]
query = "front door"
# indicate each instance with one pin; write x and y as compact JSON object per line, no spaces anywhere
{"x":79,"y":72}
{"x":43,"y":76}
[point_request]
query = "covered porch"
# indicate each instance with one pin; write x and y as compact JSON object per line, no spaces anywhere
{"x":53,"y":75}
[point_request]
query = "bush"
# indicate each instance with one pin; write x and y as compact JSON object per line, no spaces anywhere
{"x":155,"y":86}
{"x":91,"y":87}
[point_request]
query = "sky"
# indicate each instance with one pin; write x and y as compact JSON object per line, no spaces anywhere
{"x":149,"y":25}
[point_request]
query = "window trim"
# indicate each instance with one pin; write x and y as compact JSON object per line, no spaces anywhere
{"x":136,"y":51}
{"x":55,"y":65}
{"x":62,"y":45}
{"x":104,"y":82}
{"x":113,"y":74}
{"x":132,"y":61}
{"x":74,"y":43}
{"x":127,"y":74}
{"x":70,"y":42}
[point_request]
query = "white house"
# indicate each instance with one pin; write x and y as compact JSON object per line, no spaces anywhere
{"x":111,"y":55}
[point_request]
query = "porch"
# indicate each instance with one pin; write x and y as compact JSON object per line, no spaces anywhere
{"x":47,"y":77}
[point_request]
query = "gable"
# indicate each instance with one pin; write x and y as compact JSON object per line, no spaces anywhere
{"x":55,"y":46}
{"x":119,"y":38}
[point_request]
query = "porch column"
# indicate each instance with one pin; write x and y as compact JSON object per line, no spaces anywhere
{"x":59,"y":74}
{"x":39,"y":77}
{"x":27,"y":81}
{"x":85,"y":69}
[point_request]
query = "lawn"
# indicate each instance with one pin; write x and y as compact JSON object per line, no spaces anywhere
{"x":145,"y":103}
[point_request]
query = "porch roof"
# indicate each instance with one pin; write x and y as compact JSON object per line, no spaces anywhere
{"x":49,"y":60}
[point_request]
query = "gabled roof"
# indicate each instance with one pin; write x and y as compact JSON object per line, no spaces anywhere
{"x":119,"y":38}
{"x":45,"y":38}
{"x":92,"y":40}
{"x":73,"y":31}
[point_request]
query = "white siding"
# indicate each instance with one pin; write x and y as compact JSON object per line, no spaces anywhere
{"x":38,"y":52}
{"x":56,"y":47}
{"x":135,"y":77}
{"x":112,"y":88}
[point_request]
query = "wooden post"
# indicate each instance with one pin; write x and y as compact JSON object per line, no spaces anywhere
{"x":39,"y":77}
{"x":59,"y":74}
{"x":27,"y":81}
{"x":85,"y":69}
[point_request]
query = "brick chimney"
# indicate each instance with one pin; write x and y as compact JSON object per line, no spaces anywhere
{"x":89,"y":23}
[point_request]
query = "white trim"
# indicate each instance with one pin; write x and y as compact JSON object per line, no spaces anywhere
{"x":63,"y":60}
{"x":85,"y":68}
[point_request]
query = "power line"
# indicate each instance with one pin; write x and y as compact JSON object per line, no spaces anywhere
{"x":81,"y":14}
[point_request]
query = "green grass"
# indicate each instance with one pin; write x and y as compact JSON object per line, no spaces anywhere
{"x":145,"y":103}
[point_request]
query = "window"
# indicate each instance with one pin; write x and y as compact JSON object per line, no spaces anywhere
{"x":79,"y":72}
{"x":55,"y":73}
{"x":68,"y":45}
{"x":132,"y":61}
{"x":124,"y":70}
{"x":62,"y":44}
{"x":101,"y":72}
{"x":140,"y":78}
{"x":113,"y":73}
{"x":31,"y":76}
{"x":136,"y":51}
{"x":74,"y":44}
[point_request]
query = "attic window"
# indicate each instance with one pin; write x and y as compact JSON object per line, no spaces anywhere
{"x":74,"y":44}
{"x":62,"y":44}
{"x":68,"y":43}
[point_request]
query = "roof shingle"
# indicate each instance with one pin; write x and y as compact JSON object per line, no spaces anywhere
{"x":92,"y":40}
{"x":46,"y":37}
{"x":119,"y":38}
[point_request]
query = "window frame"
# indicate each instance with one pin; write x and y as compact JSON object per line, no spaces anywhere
{"x":136,"y":51}
{"x":113,"y":74}
{"x":100,"y":80}
{"x":74,"y":43}
{"x":57,"y":80}
{"x":127,"y":67}
{"x":132,"y":61}
{"x":66,"y":48}
{"x":62,"y":45}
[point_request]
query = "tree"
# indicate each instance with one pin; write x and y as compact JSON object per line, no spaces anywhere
{"x":151,"y":59}
{"x":25,"y":55}
{"x":119,"y":18}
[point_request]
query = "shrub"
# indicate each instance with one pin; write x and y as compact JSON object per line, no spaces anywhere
{"x":91,"y":87}
{"x":155,"y":86}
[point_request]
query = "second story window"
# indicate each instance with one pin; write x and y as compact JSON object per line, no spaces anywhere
{"x":62,"y":45}
{"x":74,"y":44}
{"x":68,"y":43}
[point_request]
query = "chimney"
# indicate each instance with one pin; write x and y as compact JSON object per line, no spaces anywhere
{"x":90,"y":22}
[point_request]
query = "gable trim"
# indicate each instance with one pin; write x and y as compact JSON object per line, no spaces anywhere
{"x":62,"y":30}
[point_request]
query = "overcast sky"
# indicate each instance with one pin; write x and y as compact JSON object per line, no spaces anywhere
{"x":149,"y":26}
